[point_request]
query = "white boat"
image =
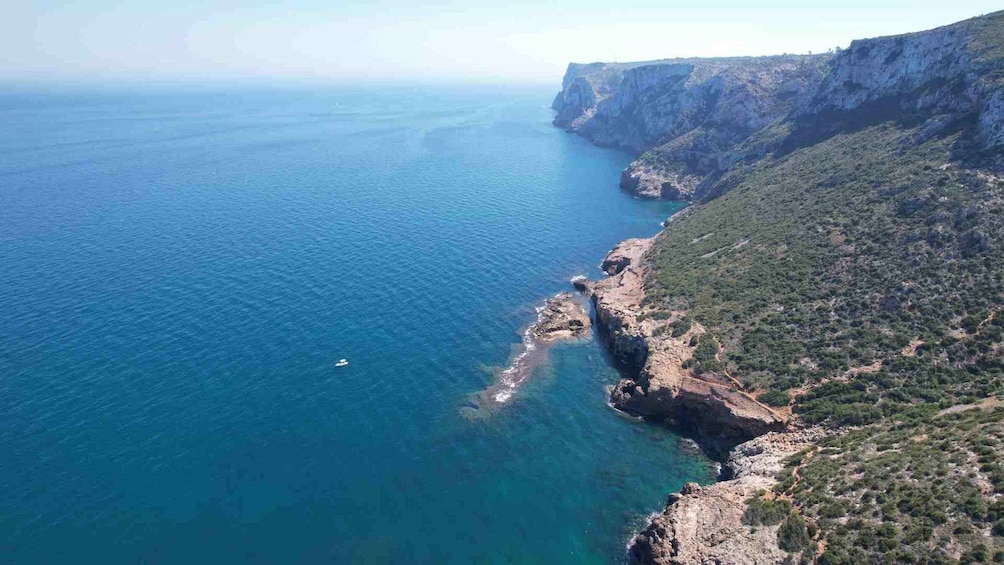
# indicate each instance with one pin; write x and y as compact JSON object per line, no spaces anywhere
{"x":342,"y":363}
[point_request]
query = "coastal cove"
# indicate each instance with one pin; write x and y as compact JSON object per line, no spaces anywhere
{"x":169,"y":390}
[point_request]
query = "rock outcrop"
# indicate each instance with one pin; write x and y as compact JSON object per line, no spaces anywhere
{"x":711,"y":407}
{"x":704,"y":525}
{"x":649,"y":181}
{"x":690,"y":120}
{"x":582,"y":284}
{"x":561,"y":317}
{"x":624,"y":254}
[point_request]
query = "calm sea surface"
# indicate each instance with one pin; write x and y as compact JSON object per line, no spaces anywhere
{"x":180,"y":271}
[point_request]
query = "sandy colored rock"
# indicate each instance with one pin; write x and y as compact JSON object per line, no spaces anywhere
{"x":765,"y":455}
{"x":699,"y":525}
{"x":561,"y":317}
{"x":704,"y":525}
{"x":712,"y":406}
{"x":641,"y":179}
{"x":625,"y":254}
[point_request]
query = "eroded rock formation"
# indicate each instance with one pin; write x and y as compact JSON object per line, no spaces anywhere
{"x":561,"y":317}
{"x":690,"y":120}
{"x":712,"y":407}
{"x":624,"y":253}
{"x":705,"y":525}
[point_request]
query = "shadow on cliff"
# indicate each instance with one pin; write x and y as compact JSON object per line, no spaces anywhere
{"x":714,"y":440}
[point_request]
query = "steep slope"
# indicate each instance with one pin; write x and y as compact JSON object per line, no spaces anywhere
{"x":693,"y":119}
{"x":845,"y":272}
{"x":693,"y":112}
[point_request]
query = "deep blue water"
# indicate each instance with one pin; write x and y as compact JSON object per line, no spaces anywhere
{"x":179,"y":272}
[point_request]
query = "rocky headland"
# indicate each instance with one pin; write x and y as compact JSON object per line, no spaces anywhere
{"x":807,"y":173}
{"x":698,"y":525}
{"x":655,"y":349}
{"x":624,"y":254}
{"x":691,"y":120}
{"x":707,"y":525}
{"x":561,"y":317}
{"x":752,"y":440}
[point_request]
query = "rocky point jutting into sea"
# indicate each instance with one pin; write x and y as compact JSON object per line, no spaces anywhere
{"x":560,"y":317}
{"x":928,"y":106}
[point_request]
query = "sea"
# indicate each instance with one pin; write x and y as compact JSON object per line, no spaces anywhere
{"x":181,"y":268}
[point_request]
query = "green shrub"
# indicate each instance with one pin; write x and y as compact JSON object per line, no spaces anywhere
{"x":765,"y":512}
{"x":682,"y":326}
{"x":774,"y":398}
{"x":793,"y":536}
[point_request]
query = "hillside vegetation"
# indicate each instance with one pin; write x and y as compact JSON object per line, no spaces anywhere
{"x":853,"y":270}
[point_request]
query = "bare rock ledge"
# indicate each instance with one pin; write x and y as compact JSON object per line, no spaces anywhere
{"x":624,"y":254}
{"x":561,"y":317}
{"x":704,"y":525}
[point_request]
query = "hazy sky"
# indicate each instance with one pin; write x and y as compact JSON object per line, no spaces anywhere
{"x":229,"y":39}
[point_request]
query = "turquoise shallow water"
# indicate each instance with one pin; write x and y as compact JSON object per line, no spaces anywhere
{"x":181,"y":271}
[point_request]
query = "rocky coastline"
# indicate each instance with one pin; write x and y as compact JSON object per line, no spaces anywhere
{"x":714,"y":409}
{"x":705,"y":525}
{"x":774,"y":150}
{"x":750,"y":439}
{"x":691,"y":120}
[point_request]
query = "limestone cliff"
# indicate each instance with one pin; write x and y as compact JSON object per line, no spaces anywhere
{"x":713,"y":408}
{"x":690,"y":120}
{"x":690,"y":112}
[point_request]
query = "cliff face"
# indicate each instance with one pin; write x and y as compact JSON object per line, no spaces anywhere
{"x":692,"y":119}
{"x":642,"y":106}
{"x":584,"y":87}
{"x":713,"y":408}
{"x":690,"y":112}
{"x":932,"y":69}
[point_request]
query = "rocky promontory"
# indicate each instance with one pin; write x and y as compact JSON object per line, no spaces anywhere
{"x":660,"y":387}
{"x":699,"y":525}
{"x":683,"y":116}
{"x":561,"y":317}
{"x":624,"y":253}
{"x":691,"y":120}
{"x":705,"y":525}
